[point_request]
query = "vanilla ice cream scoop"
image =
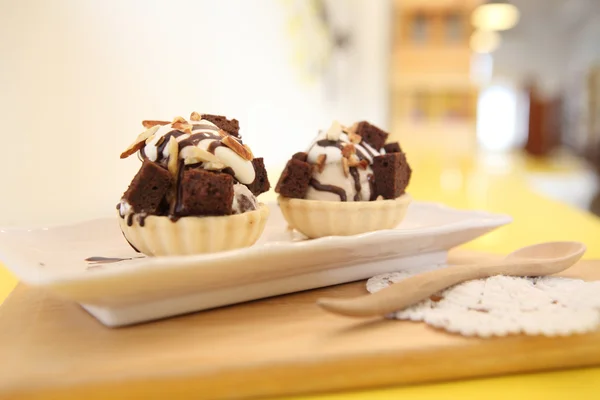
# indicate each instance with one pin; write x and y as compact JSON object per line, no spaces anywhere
{"x":343,"y":171}
{"x":204,"y":135}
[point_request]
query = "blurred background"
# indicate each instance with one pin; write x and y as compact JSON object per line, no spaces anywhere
{"x":479,"y":93}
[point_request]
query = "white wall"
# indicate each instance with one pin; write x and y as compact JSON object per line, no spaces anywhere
{"x":77,"y":77}
{"x":360,"y":76}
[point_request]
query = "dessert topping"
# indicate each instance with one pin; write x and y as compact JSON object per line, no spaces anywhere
{"x":334,"y":131}
{"x":183,"y":127}
{"x":346,"y":167}
{"x":173,"y":163}
{"x":150,"y":123}
{"x":249,"y":151}
{"x":348,"y":150}
{"x":195,"y":155}
{"x":355,"y":162}
{"x":237,"y":147}
{"x":353,"y":137}
{"x":321,"y":162}
{"x":140,"y":141}
{"x":213,"y":166}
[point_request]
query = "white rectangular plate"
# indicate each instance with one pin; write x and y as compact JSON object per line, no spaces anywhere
{"x":128,"y":288}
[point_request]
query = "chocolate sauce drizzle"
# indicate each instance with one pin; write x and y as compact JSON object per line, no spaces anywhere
{"x":132,"y":246}
{"x":196,"y":127}
{"x":230,"y":171}
{"x":371,"y":180}
{"x":107,"y":260}
{"x":340,"y":145}
{"x":142,"y":219}
{"x":213,"y":146}
{"x":165,"y":141}
{"x":196,"y":138}
{"x":328,"y":188}
{"x":330,"y":143}
{"x":192,"y":140}
{"x":357,"y":186}
{"x":372,"y":153}
{"x":177,"y":210}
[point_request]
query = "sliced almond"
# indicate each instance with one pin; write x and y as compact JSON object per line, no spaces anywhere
{"x":173,"y":163}
{"x":213,"y":166}
{"x":150,"y":123}
{"x":249,"y":151}
{"x":194,"y":155}
{"x":237,"y":147}
{"x":321,"y":162}
{"x":158,"y":142}
{"x":348,"y":150}
{"x":179,"y":119}
{"x":363,"y":164}
{"x":353,"y":128}
{"x":346,"y":167}
{"x":353,"y":161}
{"x":334,"y":131}
{"x":140,"y":141}
{"x":195,"y":116}
{"x":183,"y":127}
{"x":354,"y":138}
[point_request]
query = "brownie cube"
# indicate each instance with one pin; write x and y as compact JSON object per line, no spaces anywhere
{"x":371,"y":134}
{"x":231,"y":126}
{"x":302,"y":156}
{"x":393,"y":147}
{"x":261,"y":181}
{"x":203,"y":192}
{"x":294,"y":179}
{"x":148,"y":188}
{"x":392,"y":175}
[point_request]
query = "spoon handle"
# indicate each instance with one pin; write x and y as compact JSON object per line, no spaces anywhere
{"x":414,"y":289}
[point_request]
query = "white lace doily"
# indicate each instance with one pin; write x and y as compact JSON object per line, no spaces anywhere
{"x":502,"y":305}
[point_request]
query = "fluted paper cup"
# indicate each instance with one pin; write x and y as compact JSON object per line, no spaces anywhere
{"x":316,"y":218}
{"x":160,"y":236}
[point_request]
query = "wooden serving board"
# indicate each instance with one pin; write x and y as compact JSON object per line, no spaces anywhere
{"x":51,"y":348}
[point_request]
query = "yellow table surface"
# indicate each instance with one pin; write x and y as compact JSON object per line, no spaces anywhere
{"x":494,"y":183}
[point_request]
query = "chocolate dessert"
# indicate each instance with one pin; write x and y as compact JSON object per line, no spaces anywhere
{"x":347,"y":164}
{"x":392,"y":174}
{"x":198,"y":167}
{"x":371,"y":134}
{"x":393,"y":147}
{"x":261,"y":182}
{"x":348,"y":182}
{"x":148,"y":188}
{"x":204,"y":193}
{"x":295,"y":179}
{"x":230,"y":126}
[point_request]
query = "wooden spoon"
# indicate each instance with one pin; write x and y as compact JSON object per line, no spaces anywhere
{"x":537,"y":260}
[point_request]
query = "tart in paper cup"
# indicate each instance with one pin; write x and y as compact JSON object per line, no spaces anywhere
{"x":315,"y":218}
{"x":161,"y":236}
